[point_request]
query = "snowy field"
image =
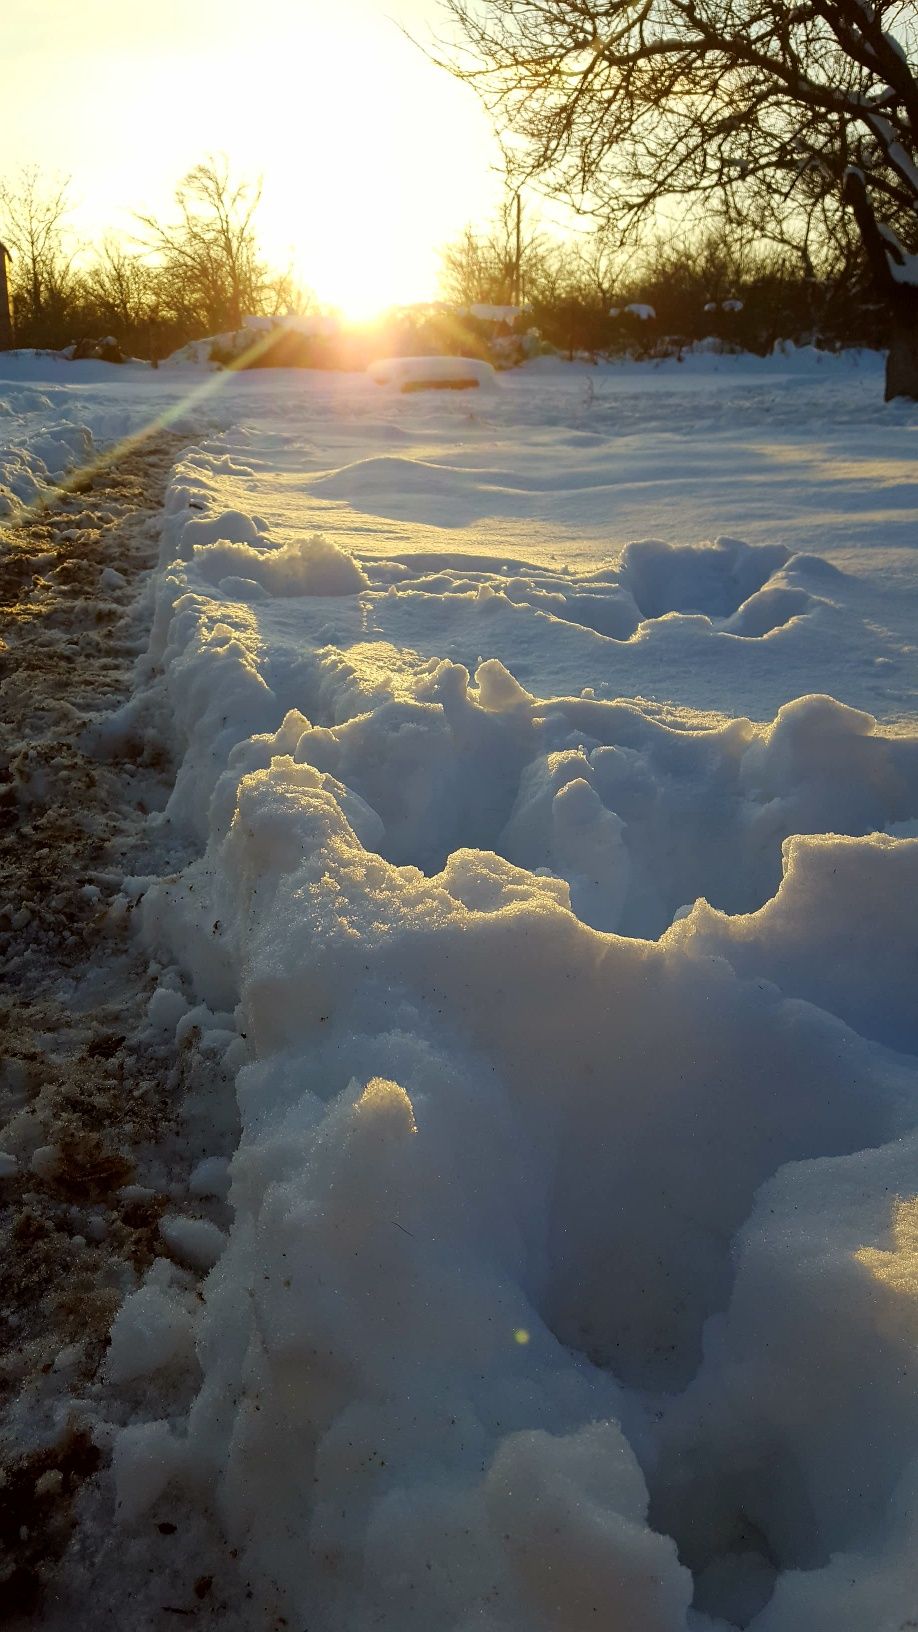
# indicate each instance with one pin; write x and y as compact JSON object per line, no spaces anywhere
{"x":548,"y":759}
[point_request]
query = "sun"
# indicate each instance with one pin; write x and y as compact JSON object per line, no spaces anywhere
{"x":361,"y":306}
{"x":378,"y":159}
{"x":371,"y":157}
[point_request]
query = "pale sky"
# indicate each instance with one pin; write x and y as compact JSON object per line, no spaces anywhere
{"x":372,"y":158}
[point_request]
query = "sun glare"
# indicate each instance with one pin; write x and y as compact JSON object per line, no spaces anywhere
{"x":371,"y":157}
{"x":364,"y":194}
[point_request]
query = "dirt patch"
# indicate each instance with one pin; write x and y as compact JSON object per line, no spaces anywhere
{"x":85,"y":1105}
{"x":36,"y":1500}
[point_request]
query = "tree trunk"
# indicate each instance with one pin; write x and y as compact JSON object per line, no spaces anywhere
{"x":902,"y":362}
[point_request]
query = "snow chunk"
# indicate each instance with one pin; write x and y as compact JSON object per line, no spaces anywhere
{"x":305,"y":566}
{"x":211,"y":1177}
{"x":165,"y":1009}
{"x":498,"y":691}
{"x":145,"y":1458}
{"x":493,"y":314}
{"x":193,"y":1241}
{"x":572,"y":1511}
{"x":152,"y":1329}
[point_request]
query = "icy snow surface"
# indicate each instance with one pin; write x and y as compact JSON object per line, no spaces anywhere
{"x":554,"y":767}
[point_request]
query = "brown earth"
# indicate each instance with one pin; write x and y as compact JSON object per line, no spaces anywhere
{"x":81,"y":1103}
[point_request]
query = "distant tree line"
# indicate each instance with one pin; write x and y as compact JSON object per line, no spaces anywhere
{"x":199,"y":273}
{"x":595,"y":294}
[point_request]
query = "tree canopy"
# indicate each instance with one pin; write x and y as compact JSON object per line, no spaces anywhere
{"x":788,"y":110}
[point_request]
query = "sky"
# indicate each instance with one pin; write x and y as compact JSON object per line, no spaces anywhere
{"x":372,"y":158}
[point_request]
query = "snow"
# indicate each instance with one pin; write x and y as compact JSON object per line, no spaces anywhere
{"x":153,"y":1329}
{"x":494,"y":314}
{"x":902,"y":264}
{"x":194,"y":1241}
{"x":211,"y":1177}
{"x":548,"y":768}
{"x":423,"y":373}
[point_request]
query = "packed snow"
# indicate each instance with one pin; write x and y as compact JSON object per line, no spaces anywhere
{"x":551,"y":767}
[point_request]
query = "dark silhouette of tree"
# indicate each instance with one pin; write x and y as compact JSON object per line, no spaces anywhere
{"x":209,"y":271}
{"x":121,"y":288}
{"x":497,"y":266}
{"x":43,"y":284}
{"x":641,"y":105}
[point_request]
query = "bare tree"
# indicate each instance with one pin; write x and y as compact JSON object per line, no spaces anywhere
{"x":209,"y":270}
{"x":638,"y":105}
{"x":33,"y":213}
{"x":120,"y":286}
{"x":503,"y":264}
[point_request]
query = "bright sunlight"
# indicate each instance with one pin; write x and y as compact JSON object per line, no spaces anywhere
{"x":371,"y":158}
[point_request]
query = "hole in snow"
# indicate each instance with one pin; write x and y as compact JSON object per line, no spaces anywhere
{"x":714,"y":579}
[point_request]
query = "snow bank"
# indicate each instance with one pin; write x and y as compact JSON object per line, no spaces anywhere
{"x":36,"y":449}
{"x":58,"y":417}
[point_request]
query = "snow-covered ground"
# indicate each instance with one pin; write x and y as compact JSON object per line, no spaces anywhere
{"x":552,"y":760}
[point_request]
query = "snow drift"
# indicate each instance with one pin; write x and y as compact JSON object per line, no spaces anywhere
{"x":572,"y":1275}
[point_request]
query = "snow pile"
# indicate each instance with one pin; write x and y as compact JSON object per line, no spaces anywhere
{"x":59,"y":417}
{"x":315,"y":323}
{"x":255,"y":338}
{"x":431,"y":373}
{"x":36,"y":448}
{"x":200,"y":353}
{"x":308,"y":566}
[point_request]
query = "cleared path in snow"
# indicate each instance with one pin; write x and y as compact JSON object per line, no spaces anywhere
{"x":89,"y":1107}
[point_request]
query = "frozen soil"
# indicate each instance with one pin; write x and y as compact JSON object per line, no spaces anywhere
{"x":88,"y":1100}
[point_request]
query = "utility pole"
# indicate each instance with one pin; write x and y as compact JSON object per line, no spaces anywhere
{"x":518,"y":257}
{"x":6,"y":316}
